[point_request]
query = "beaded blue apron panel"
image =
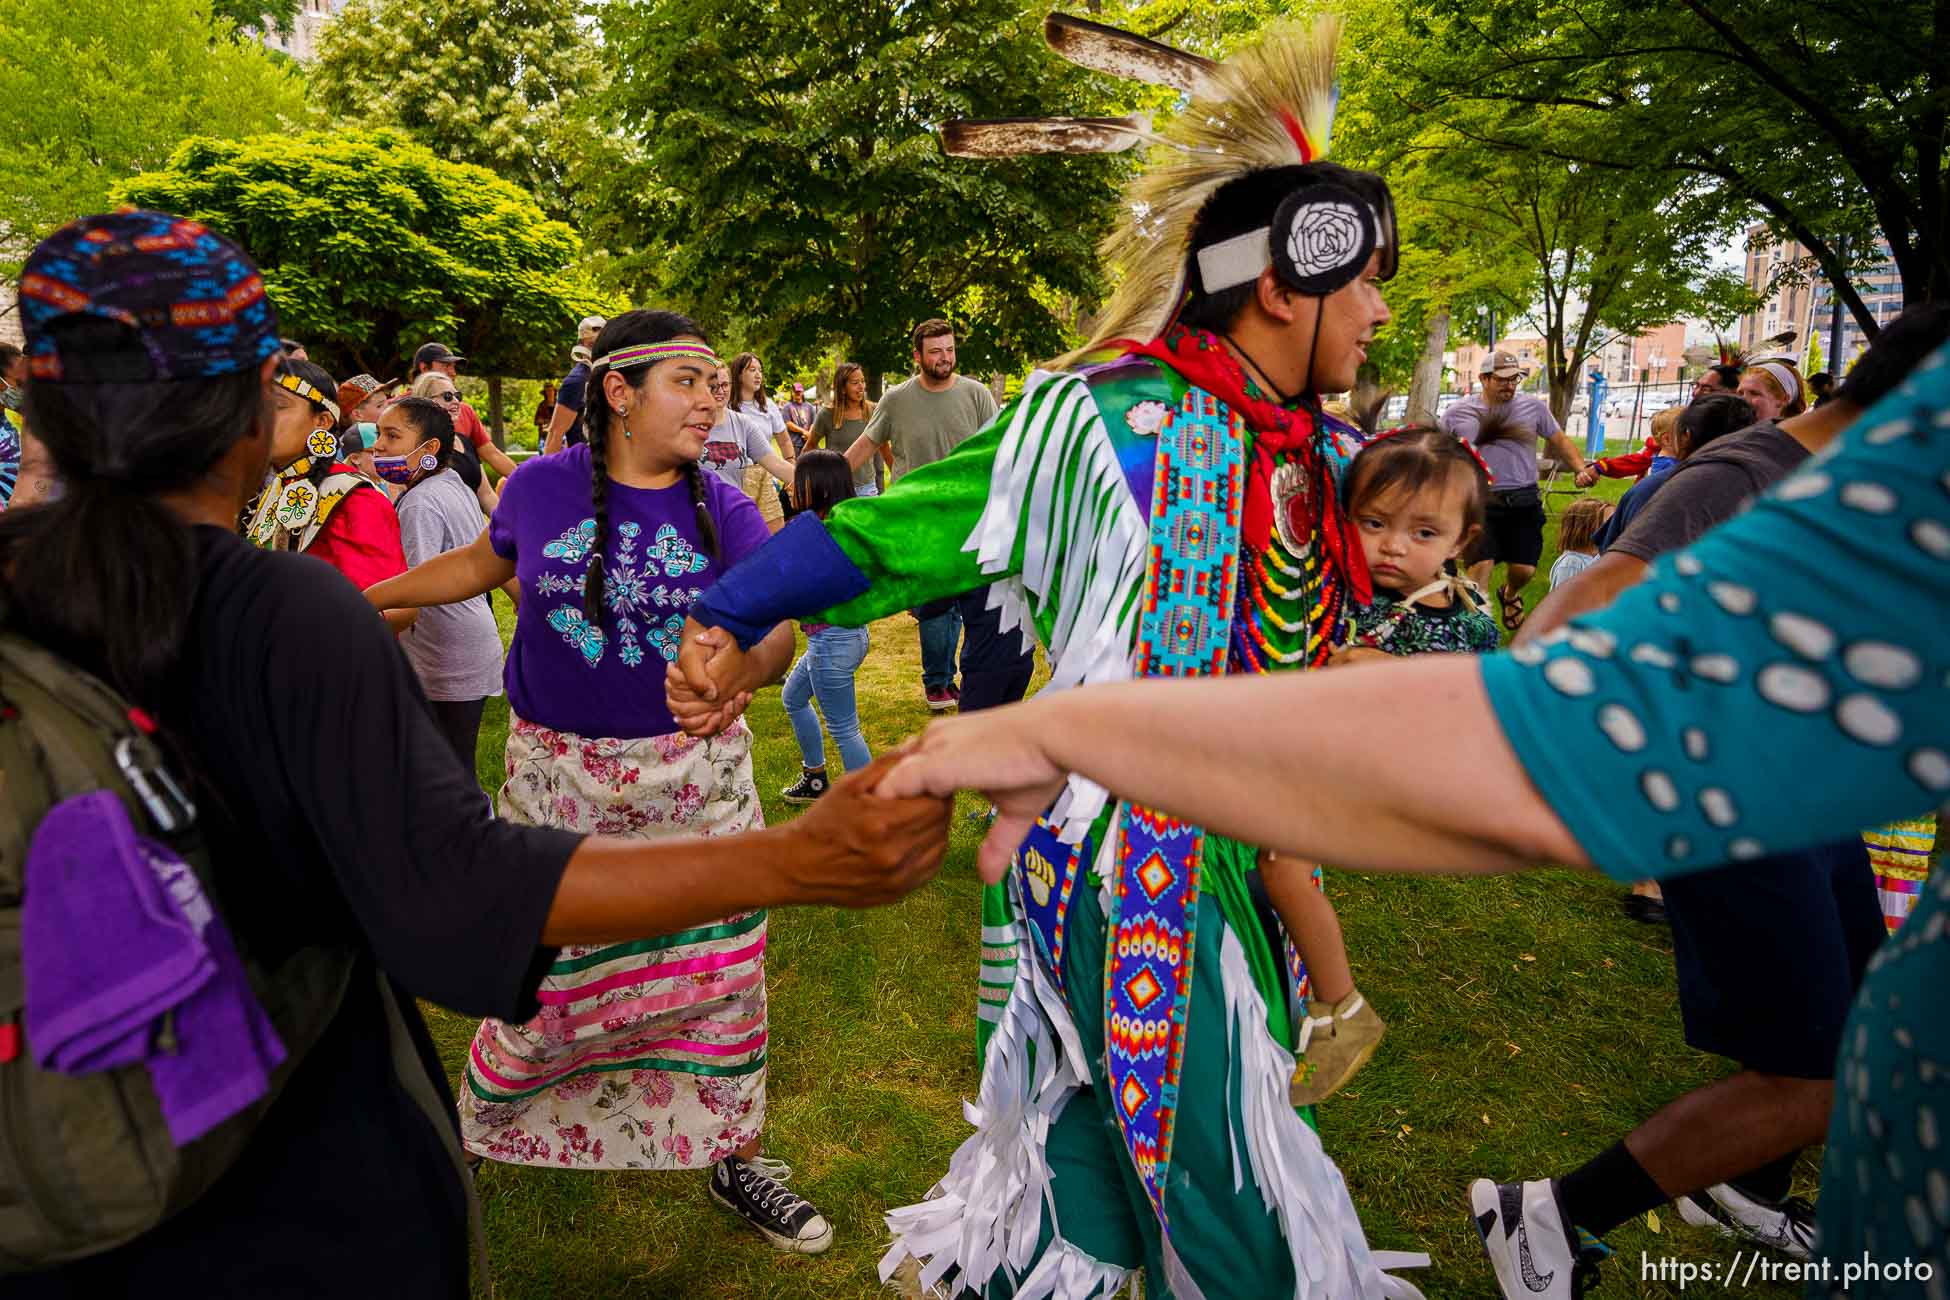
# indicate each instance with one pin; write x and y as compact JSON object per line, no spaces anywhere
{"x":1184,"y":630}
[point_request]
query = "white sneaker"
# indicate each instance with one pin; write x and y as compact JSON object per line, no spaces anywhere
{"x":1528,"y":1243}
{"x":1787,"y":1226}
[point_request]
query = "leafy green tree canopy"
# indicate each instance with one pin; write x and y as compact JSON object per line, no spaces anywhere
{"x":264,"y":15}
{"x":498,"y":83}
{"x":792,"y":173}
{"x":98,"y":90}
{"x":1828,"y":116}
{"x":371,"y":245}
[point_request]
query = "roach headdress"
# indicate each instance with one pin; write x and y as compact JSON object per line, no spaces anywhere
{"x":1271,"y":105}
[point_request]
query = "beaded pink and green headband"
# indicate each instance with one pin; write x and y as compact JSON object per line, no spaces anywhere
{"x":644,"y":354}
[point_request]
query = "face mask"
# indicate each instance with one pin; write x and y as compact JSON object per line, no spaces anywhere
{"x":405,"y":470}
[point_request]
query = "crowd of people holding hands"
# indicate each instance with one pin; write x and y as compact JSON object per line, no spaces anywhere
{"x":1269,"y":649}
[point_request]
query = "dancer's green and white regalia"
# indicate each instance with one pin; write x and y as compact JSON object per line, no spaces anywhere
{"x":1153,"y":514}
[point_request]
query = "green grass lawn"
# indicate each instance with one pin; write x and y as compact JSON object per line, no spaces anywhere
{"x":1530,"y":1026}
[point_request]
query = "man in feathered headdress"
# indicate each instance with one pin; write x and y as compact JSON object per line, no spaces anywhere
{"x":1169,"y":506}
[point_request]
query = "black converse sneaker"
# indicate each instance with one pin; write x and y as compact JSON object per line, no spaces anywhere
{"x":1787,"y":1225}
{"x":755,"y":1191}
{"x":811,"y":784}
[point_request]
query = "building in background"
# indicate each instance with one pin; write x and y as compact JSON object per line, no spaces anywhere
{"x":302,"y":42}
{"x":1790,"y":302}
{"x":1654,"y":356}
{"x":1881,"y":289}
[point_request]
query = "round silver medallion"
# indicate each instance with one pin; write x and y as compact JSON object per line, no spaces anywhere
{"x":1290,"y":486}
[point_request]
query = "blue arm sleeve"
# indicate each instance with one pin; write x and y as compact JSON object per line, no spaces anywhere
{"x":800,"y":571}
{"x":1779,"y":684}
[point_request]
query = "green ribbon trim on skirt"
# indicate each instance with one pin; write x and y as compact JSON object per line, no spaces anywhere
{"x":641,"y":1063}
{"x":704,"y":934}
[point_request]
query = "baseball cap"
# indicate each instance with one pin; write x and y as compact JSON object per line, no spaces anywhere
{"x":360,"y":387}
{"x":798,"y":390}
{"x":1502,"y":365}
{"x":435,"y":354}
{"x":591,"y":323}
{"x":194,"y":299}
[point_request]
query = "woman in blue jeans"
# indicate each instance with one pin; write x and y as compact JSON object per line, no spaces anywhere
{"x":833,"y":654}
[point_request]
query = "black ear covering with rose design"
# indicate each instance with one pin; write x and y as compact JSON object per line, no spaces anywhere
{"x":1322,"y":237}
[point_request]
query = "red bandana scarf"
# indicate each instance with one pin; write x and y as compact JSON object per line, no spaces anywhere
{"x":1203,"y":360}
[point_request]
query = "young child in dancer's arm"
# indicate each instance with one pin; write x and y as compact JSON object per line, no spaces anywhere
{"x":1417,"y":496}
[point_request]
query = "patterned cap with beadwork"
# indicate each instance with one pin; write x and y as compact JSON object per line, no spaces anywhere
{"x":194,"y":299}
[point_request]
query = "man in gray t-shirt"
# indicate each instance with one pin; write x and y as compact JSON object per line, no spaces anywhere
{"x":1513,"y":528}
{"x":923,"y":420}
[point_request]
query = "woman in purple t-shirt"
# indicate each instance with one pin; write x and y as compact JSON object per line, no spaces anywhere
{"x":646,"y":1055}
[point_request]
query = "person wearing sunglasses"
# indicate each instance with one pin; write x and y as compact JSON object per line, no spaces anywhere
{"x":439,"y":359}
{"x":438,"y":387}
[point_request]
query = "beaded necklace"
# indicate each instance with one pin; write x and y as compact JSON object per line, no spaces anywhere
{"x":1292,"y":604}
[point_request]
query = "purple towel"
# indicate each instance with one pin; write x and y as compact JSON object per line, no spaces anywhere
{"x":120,"y":945}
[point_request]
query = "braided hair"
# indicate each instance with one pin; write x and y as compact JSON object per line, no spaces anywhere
{"x":631,"y":329}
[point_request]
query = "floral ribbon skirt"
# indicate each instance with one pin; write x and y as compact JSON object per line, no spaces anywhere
{"x":648,"y":1054}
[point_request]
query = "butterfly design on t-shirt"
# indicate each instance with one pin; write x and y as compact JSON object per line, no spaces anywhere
{"x":579,"y":632}
{"x":674,"y":553}
{"x":668,"y":637}
{"x":574,"y":544}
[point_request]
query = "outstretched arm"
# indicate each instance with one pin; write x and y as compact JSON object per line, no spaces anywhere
{"x":1456,"y":800}
{"x":777,"y":467}
{"x":497,"y":460}
{"x":1567,"y":451}
{"x":850,"y":849}
{"x":457,"y":575}
{"x":558,"y":429}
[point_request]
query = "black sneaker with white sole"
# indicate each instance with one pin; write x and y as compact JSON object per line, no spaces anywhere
{"x":1787,"y":1225}
{"x":811,"y":784}
{"x":1534,"y":1252}
{"x":755,"y":1191}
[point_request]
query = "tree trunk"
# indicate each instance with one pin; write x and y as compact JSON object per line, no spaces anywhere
{"x":1427,"y":383}
{"x":495,"y":431}
{"x":1564,"y":390}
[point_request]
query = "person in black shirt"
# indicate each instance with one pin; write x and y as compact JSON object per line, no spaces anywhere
{"x":334,"y":811}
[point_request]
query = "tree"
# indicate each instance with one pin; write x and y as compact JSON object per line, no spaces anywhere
{"x":371,"y":245}
{"x":1831,"y":117}
{"x":791,"y":175}
{"x":98,"y":90}
{"x":1815,"y":360}
{"x":263,"y":15}
{"x":1611,"y":252}
{"x":498,"y":83}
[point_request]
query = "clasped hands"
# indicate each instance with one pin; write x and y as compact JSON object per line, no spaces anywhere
{"x":999,"y":752}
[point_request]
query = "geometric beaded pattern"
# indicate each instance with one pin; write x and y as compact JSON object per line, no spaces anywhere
{"x":1185,"y":625}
